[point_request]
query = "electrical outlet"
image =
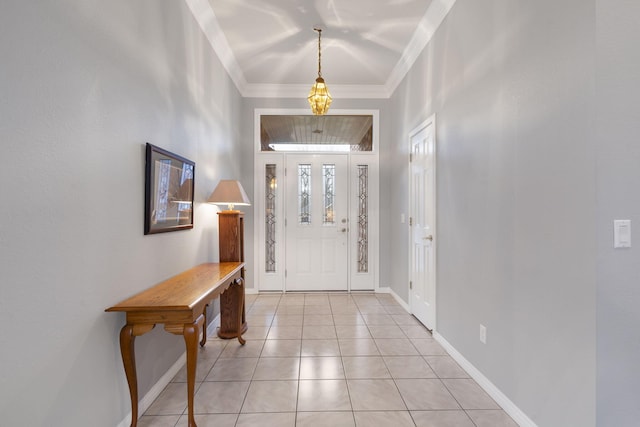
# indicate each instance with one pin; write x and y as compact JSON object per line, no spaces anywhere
{"x":483,"y":334}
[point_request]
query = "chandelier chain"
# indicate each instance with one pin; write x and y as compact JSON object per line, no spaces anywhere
{"x":319,"y":30}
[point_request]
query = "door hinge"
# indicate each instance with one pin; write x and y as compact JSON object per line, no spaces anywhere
{"x":410,"y":221}
{"x":410,"y":157}
{"x":410,"y":284}
{"x":285,"y":273}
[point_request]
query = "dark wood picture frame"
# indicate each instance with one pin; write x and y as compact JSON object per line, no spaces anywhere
{"x":168,"y":191}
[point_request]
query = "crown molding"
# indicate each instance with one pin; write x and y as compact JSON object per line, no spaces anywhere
{"x":430,"y":22}
{"x":301,"y":90}
{"x":204,"y":15}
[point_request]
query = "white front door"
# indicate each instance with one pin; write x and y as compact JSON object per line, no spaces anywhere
{"x":422,"y":222}
{"x":316,"y":222}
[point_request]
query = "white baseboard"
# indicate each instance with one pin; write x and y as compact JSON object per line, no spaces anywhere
{"x":251,"y":291}
{"x":164,"y":380}
{"x":213,"y":325}
{"x":509,"y":407}
{"x":387,"y":290}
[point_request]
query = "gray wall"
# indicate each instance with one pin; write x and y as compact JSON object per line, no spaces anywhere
{"x":83,"y":85}
{"x":512,"y":85}
{"x":618,"y":121}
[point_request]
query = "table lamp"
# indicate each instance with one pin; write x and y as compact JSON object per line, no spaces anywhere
{"x":229,"y":192}
{"x":231,"y":247}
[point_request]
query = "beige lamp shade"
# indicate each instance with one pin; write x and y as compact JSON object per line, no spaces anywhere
{"x":229,"y":192}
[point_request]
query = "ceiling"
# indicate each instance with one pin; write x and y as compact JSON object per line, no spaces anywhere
{"x":270,"y":49}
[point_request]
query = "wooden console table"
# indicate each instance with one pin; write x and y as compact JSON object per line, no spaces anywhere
{"x":180,"y":304}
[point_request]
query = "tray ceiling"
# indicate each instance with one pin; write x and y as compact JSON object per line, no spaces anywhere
{"x":270,"y":49}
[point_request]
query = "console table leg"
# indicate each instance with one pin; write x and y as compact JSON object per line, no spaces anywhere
{"x":203,"y":341}
{"x":240,"y":283}
{"x":191,"y":333}
{"x":127,"y":339}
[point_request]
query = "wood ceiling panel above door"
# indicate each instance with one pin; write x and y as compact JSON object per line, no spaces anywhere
{"x":352,"y":130}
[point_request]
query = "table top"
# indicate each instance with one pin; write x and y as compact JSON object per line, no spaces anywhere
{"x":183,"y":291}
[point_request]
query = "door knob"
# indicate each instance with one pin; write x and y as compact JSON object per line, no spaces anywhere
{"x":429,"y":238}
{"x":344,"y":230}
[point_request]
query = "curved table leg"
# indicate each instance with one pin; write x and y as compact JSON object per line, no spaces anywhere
{"x":128,"y":333}
{"x":191,"y":333}
{"x":127,"y":339}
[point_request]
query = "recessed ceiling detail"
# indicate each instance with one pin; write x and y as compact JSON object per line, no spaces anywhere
{"x":268,"y":47}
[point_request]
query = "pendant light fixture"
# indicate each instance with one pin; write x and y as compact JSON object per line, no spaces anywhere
{"x":319,"y":97}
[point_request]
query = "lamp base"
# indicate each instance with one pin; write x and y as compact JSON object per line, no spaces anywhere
{"x":231,"y":246}
{"x":229,"y":311}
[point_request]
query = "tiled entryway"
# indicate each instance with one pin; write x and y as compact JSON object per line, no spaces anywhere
{"x":334,"y":360}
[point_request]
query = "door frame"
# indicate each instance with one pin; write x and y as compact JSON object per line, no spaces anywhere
{"x":276,"y":281}
{"x":430,"y":121}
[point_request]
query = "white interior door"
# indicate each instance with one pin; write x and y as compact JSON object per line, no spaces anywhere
{"x":422,"y":222}
{"x":316,"y":222}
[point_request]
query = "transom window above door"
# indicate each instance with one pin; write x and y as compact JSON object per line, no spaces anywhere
{"x":308,"y":133}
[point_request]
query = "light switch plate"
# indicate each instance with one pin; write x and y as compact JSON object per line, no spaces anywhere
{"x":483,"y":334}
{"x":622,"y":233}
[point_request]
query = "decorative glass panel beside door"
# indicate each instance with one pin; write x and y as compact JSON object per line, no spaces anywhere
{"x":363,"y":218}
{"x":269,"y":240}
{"x":270,"y":217}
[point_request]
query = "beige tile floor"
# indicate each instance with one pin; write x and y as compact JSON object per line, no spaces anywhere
{"x":335,"y":360}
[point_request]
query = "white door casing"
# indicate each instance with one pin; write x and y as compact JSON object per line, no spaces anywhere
{"x":422,"y":213}
{"x":274,"y":251}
